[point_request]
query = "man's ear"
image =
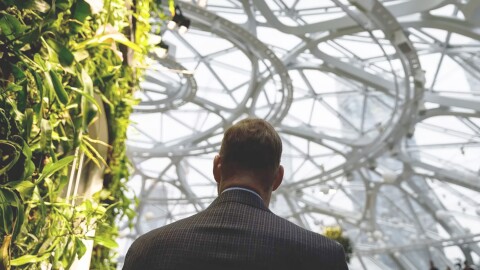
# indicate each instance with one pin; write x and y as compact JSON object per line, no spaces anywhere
{"x":217,"y":168}
{"x":278,"y":178}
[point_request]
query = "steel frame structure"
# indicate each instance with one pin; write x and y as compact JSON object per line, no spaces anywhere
{"x":377,"y":137}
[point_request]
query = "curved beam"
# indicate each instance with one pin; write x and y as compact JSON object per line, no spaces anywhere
{"x":436,"y":22}
{"x":460,"y":178}
{"x":397,"y":10}
{"x":472,"y":103}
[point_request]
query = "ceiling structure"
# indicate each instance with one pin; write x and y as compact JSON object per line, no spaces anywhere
{"x":377,"y":103}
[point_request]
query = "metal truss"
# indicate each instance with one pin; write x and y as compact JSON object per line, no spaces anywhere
{"x":377,"y":103}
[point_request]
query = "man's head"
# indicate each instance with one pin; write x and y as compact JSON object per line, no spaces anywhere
{"x":250,"y":152}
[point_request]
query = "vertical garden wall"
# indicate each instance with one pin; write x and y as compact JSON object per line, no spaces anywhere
{"x":65,"y":64}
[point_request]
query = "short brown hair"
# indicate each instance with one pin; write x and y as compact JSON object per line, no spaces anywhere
{"x":251,"y":145}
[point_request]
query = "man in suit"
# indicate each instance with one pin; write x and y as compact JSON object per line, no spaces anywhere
{"x":238,"y":231}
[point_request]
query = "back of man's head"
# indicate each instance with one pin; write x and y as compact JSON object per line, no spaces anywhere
{"x":251,"y":145}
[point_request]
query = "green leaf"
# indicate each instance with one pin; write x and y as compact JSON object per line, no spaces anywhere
{"x":24,"y":166}
{"x":38,"y":83}
{"x":88,"y":97}
{"x":63,"y":4}
{"x":103,"y":38}
{"x":65,"y":56}
{"x":40,"y":62}
{"x":31,"y":37}
{"x":87,"y":82}
{"x":17,"y":72}
{"x":8,"y":204}
{"x":49,"y":89}
{"x":81,"y":248}
{"x":19,"y":217}
{"x":63,"y":182}
{"x":29,"y":259}
{"x":89,"y":105}
{"x":10,"y":26}
{"x":28,"y":122}
{"x":12,"y":87}
{"x":105,"y":241}
{"x":21,"y":99}
{"x":9,"y":155}
{"x":89,"y":114}
{"x":54,"y":167}
{"x":80,"y":11}
{"x":6,"y":215}
{"x":24,"y":188}
{"x":45,"y":135}
{"x":58,"y":87}
{"x":29,"y":165}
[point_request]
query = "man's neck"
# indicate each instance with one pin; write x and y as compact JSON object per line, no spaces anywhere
{"x":238,"y":183}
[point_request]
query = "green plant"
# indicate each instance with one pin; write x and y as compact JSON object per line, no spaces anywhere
{"x":336,"y":233}
{"x":55,"y":57}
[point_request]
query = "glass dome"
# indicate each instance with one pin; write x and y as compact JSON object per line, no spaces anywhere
{"x":377,"y":103}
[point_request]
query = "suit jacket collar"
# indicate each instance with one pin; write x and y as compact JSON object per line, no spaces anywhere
{"x":240,"y":196}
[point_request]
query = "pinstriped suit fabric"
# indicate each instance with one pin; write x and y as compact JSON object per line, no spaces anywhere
{"x":236,"y":231}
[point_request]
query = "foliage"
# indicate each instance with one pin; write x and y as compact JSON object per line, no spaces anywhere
{"x":336,"y":233}
{"x":55,"y":56}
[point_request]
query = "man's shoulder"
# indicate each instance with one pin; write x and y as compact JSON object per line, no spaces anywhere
{"x":306,"y":240}
{"x":149,"y":247}
{"x":310,"y":248}
{"x":314,"y":235}
{"x":170,"y":229}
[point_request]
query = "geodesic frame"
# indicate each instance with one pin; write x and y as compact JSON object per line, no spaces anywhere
{"x":344,"y":84}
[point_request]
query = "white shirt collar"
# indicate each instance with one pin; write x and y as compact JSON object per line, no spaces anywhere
{"x":241,"y":188}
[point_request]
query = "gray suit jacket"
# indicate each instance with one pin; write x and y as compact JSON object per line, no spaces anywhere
{"x":237,"y":231}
